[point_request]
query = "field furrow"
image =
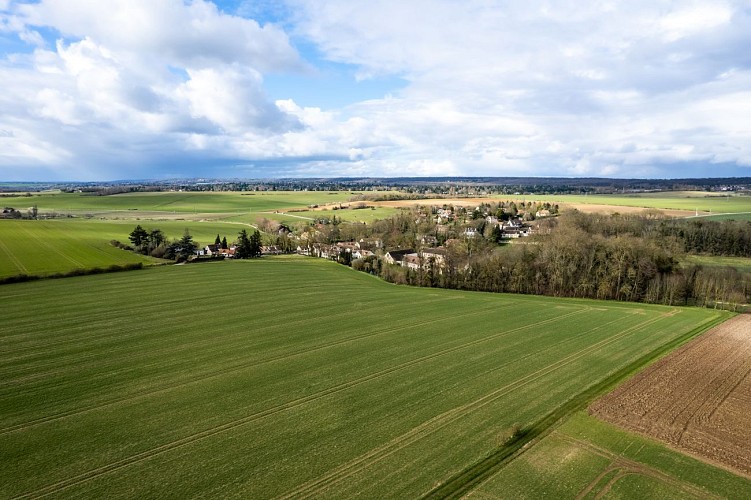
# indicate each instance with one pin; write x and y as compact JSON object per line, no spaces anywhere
{"x":309,"y":380}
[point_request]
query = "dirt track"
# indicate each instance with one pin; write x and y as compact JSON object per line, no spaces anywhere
{"x":698,"y":398}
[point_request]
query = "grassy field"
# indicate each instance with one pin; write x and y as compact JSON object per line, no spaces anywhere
{"x":40,"y":247}
{"x":46,"y":247}
{"x":292,"y":377}
{"x":742,"y":264}
{"x":65,"y":244}
{"x":591,"y":458}
{"x":182,"y":202}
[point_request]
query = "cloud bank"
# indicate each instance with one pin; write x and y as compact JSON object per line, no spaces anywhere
{"x":135,"y":89}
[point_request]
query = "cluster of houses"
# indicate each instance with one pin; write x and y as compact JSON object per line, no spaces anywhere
{"x":353,"y":249}
{"x":229,"y":252}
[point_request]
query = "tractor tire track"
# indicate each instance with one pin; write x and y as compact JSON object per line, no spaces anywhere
{"x":147,"y":454}
{"x":431,"y":426}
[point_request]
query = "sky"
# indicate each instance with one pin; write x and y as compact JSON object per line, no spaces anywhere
{"x":94,"y":90}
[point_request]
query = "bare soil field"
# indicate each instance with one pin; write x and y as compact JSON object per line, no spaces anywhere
{"x":696,"y":399}
{"x":474,"y":202}
{"x":590,"y":208}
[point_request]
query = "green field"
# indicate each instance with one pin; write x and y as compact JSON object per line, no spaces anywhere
{"x":704,"y":203}
{"x":41,"y":247}
{"x":44,"y":247}
{"x":742,"y":264}
{"x":246,"y":207}
{"x":296,"y":377}
{"x":181,"y":202}
{"x":588,"y":455}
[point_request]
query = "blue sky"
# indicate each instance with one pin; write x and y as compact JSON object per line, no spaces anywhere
{"x":239,"y":88}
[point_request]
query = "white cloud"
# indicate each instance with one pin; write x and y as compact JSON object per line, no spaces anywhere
{"x":549,"y":88}
{"x":492,"y":87}
{"x":694,"y":19}
{"x":188,"y":34}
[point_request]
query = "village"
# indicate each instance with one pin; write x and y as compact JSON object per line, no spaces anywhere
{"x":435,"y":233}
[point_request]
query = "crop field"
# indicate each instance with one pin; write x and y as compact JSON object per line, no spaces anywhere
{"x":40,"y":247}
{"x":247,"y":207}
{"x":292,"y":377}
{"x":588,"y":458}
{"x":64,"y":244}
{"x":46,"y":247}
{"x":674,"y":204}
{"x":185,"y":202}
{"x":690,"y":201}
{"x":695,"y":399}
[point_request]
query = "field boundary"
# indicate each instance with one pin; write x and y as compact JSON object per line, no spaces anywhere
{"x":471,"y":477}
{"x":426,"y":428}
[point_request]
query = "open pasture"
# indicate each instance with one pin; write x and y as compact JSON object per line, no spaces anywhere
{"x":290,"y":377}
{"x":45,"y":247}
{"x":178,"y":202}
{"x":40,"y":247}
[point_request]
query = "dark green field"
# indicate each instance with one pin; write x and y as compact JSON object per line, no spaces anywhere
{"x":291,"y":377}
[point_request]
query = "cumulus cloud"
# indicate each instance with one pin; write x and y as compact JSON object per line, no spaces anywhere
{"x":187,"y":34}
{"x":130,"y":83}
{"x":566,"y":88}
{"x":491,"y":87}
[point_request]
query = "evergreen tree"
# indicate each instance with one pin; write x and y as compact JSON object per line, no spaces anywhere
{"x":224,"y":243}
{"x":255,"y":244}
{"x":156,"y":238}
{"x":217,"y":241}
{"x":139,"y":237}
{"x":243,"y":249}
{"x":186,"y":246}
{"x":496,"y":234}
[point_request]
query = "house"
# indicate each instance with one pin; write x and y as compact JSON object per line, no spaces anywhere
{"x":369,"y":244}
{"x":397,"y":256}
{"x":211,"y":250}
{"x":428,"y":240}
{"x":347,"y":246}
{"x":411,"y":261}
{"x":437,"y":254}
{"x":270,"y":250}
{"x":516,"y":232}
{"x":470,"y":232}
{"x":325,"y":251}
{"x":228,"y":253}
{"x":361,"y":254}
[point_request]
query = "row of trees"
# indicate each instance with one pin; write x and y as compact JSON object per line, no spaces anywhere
{"x":153,"y":242}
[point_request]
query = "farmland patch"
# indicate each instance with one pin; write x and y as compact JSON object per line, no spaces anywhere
{"x":288,"y":376}
{"x":695,"y":399}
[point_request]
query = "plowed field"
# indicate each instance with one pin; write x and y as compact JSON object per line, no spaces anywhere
{"x":697,"y":399}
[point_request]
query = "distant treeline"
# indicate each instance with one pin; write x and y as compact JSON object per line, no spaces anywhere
{"x":455,"y":186}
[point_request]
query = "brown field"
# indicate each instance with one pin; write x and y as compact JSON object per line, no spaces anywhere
{"x":473,"y":202}
{"x":696,"y":399}
{"x":590,"y":208}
